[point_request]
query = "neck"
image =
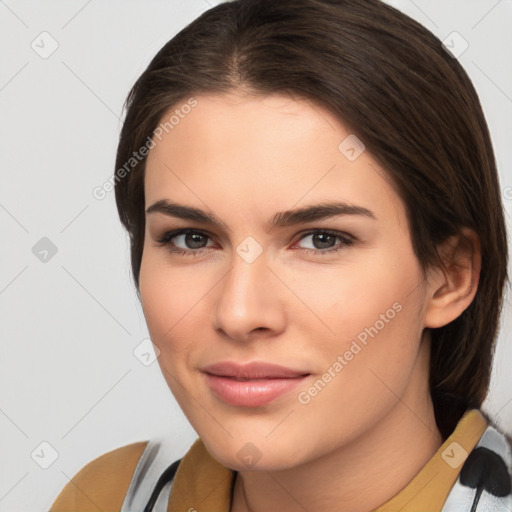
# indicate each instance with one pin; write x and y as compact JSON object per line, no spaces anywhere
{"x":361,"y":475}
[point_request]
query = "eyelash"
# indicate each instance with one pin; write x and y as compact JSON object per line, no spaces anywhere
{"x":167,"y":237}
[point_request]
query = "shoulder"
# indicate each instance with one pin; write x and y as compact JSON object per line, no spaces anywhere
{"x":492,"y":422}
{"x":485,"y":478}
{"x":102,"y":483}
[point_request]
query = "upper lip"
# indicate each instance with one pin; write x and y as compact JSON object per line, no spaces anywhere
{"x":252,"y":370}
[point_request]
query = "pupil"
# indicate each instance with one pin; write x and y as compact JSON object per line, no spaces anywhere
{"x":321,"y":236}
{"x":193,"y":240}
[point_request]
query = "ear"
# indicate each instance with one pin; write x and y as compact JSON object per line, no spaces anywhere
{"x":452,"y":289}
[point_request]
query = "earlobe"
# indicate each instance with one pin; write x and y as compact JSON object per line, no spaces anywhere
{"x":452,"y":289}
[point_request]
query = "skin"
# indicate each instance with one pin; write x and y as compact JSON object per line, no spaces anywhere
{"x":244,"y":158}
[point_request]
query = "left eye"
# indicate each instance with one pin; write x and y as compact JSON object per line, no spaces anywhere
{"x":325,"y":241}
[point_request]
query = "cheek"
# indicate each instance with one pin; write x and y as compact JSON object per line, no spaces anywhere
{"x":167,"y":298}
{"x":375,"y":313}
{"x":368,"y":288}
{"x":371,"y":324}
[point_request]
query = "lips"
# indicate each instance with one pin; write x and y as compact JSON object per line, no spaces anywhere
{"x":252,"y":370}
{"x":252,"y":384}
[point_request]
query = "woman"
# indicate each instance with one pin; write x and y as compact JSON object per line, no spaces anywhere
{"x":318,"y":244}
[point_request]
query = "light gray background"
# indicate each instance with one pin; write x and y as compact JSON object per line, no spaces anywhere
{"x":70,"y":325}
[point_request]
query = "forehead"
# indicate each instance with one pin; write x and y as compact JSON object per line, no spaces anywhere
{"x":268,"y":150}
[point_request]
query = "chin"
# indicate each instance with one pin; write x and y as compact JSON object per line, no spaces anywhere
{"x":248,"y":456}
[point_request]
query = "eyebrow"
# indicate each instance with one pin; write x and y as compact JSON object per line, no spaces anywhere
{"x":280,"y":219}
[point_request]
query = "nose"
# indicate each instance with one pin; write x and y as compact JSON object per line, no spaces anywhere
{"x":249,"y":301}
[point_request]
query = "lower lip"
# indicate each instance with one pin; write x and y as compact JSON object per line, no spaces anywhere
{"x":251,"y":393}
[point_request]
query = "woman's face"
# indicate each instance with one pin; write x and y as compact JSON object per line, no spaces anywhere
{"x":271,"y":274}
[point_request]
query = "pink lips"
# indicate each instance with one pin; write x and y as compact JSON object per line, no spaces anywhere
{"x":253,"y":384}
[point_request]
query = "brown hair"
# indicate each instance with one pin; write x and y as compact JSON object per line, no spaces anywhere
{"x":398,"y":89}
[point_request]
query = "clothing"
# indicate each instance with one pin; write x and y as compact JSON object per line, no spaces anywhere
{"x":123,"y":480}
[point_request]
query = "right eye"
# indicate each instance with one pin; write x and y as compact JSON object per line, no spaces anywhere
{"x":185,"y":241}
